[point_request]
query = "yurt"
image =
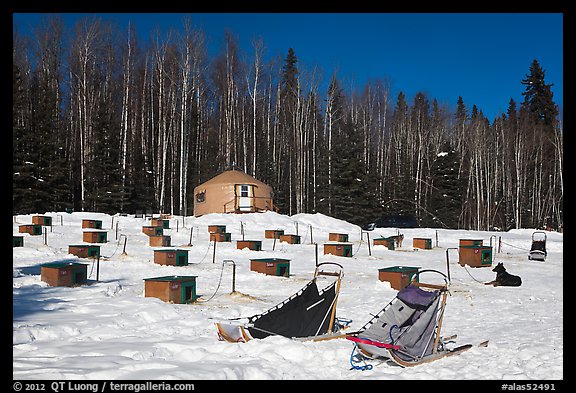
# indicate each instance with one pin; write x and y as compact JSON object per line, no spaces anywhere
{"x":232,"y":192}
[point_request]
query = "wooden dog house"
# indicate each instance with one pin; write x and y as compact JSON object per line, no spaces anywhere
{"x":232,"y":192}
{"x":385,"y":241}
{"x":171,"y":289}
{"x":84,"y":250}
{"x":471,"y":242}
{"x":171,"y":256}
{"x":338,"y":249}
{"x":159,"y":241}
{"x":291,"y":239}
{"x":31,"y":229}
{"x":273,"y":233}
{"x":338,"y":237}
{"x":160,"y":222}
{"x":474,"y":254}
{"x":271,"y":266}
{"x":17,"y":241}
{"x":221,"y":237}
{"x":95,"y":236}
{"x":398,"y":276}
{"x":254,"y":245}
{"x":64,"y":274}
{"x":95,"y":224}
{"x":423,"y":243}
{"x":151,"y":230}
{"x":216,"y":228}
{"x":42,"y":220}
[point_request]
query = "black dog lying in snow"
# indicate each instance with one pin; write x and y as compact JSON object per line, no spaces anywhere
{"x":503,"y":278}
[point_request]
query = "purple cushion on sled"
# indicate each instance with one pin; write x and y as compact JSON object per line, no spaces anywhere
{"x":416,"y":297}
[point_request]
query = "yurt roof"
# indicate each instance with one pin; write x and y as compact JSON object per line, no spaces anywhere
{"x":234,"y":177}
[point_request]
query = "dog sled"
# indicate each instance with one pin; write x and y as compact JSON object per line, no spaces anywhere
{"x":538,"y":248}
{"x":309,"y":314}
{"x":407,"y":331}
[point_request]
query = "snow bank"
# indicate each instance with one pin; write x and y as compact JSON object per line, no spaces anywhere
{"x":109,"y":330}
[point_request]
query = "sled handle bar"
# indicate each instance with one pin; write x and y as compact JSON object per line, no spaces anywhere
{"x":318,"y":272}
{"x":417,"y":274}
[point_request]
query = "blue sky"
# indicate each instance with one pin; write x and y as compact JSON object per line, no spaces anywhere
{"x":480,"y":56}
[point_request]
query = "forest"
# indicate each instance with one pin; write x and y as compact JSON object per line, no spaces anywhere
{"x":106,"y":121}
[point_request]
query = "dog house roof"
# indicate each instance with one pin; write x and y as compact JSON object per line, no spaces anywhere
{"x":171,"y":278}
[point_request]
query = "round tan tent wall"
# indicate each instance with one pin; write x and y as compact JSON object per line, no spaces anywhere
{"x":232,"y":192}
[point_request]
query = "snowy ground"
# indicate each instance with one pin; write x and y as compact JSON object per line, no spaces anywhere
{"x":109,"y":330}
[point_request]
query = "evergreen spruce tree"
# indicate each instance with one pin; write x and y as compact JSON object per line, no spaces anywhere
{"x":538,"y":97}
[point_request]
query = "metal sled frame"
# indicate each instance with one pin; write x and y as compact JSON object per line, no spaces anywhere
{"x":538,"y":248}
{"x":373,"y":349}
{"x":236,"y":331}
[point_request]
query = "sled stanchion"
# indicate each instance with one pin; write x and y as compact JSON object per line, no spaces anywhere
{"x":98,"y":268}
{"x":233,"y":273}
{"x":368,"y":239}
{"x":448,"y":261}
{"x":316,"y":249}
{"x":214,"y":253}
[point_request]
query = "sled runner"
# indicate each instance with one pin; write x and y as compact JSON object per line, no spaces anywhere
{"x":407,"y":330}
{"x":309,"y":314}
{"x":538,"y":249}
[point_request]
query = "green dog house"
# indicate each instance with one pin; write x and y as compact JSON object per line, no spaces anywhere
{"x":172,"y":289}
{"x":398,"y":276}
{"x":338,"y":249}
{"x":271,"y":266}
{"x":254,"y":245}
{"x":171,"y":256}
{"x":64,"y":274}
{"x":84,"y":250}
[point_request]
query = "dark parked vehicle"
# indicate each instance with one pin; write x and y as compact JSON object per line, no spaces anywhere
{"x":393,"y":221}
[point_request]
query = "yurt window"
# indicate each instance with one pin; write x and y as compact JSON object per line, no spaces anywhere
{"x":244,"y":192}
{"x":201,"y":197}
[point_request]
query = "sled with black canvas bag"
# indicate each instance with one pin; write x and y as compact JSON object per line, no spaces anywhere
{"x":309,"y":314}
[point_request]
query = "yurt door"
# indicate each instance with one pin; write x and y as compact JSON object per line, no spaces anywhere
{"x":244,"y":193}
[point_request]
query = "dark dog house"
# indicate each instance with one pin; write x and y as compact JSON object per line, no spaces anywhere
{"x":399,"y":277}
{"x":95,"y":224}
{"x":172,"y":257}
{"x":171,"y":289}
{"x":273,"y":233}
{"x":64,"y":274}
{"x":152,"y":230}
{"x":254,"y":245}
{"x":385,"y":241}
{"x":422,"y":243}
{"x":95,"y":236}
{"x":84,"y":250}
{"x":338,"y":237}
{"x":475,"y":256}
{"x":338,"y":249}
{"x":216,"y":228}
{"x":42,"y":220}
{"x":17,"y":241}
{"x":271,"y":266}
{"x":31,"y":229}
{"x":291,"y":239}
{"x":221,"y":237}
{"x":159,"y":241}
{"x":159,"y":222}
